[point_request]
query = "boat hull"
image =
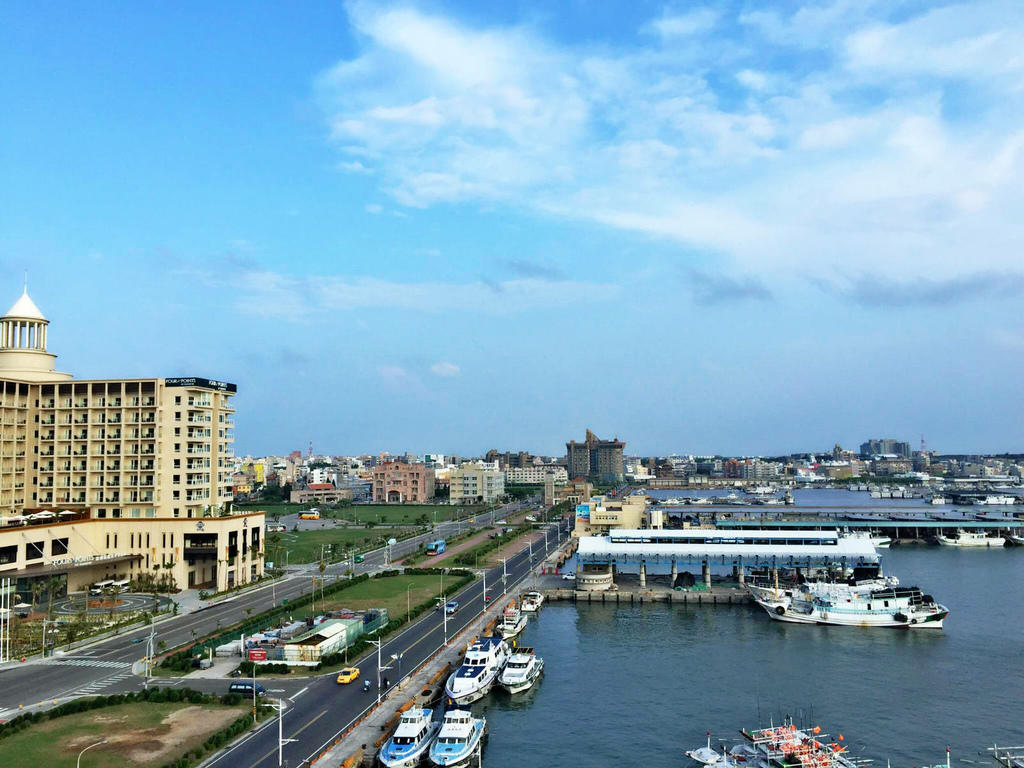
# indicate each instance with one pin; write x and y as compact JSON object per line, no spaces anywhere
{"x":464,"y":757}
{"x":986,"y":543}
{"x":468,"y":697}
{"x":781,"y":611}
{"x":508,"y":631}
{"x":414,"y":757}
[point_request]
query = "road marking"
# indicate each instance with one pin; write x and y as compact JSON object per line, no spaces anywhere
{"x":271,"y":752}
{"x":293,"y":698}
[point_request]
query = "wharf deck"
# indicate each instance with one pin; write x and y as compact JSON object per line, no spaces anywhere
{"x":717,"y":595}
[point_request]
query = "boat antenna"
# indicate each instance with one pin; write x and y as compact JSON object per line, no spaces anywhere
{"x":947,"y":757}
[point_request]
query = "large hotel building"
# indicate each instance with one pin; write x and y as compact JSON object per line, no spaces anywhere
{"x":108,"y":479}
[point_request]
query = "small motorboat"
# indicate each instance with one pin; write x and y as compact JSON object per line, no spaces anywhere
{"x":532,"y":601}
{"x":411,"y":740}
{"x":522,"y":670}
{"x":513,"y":621}
{"x":459,"y":741}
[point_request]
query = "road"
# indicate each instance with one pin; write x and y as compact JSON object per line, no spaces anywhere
{"x":105,"y":667}
{"x":317,"y":715}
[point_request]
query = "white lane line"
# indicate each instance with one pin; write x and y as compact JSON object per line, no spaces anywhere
{"x":293,"y":698}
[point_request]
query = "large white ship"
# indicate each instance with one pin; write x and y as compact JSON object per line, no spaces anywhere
{"x":873,"y":602}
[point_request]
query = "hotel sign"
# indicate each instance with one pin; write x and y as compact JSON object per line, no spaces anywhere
{"x":220,"y":386}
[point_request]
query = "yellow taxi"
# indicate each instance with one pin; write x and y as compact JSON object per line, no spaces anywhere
{"x":347,"y":675}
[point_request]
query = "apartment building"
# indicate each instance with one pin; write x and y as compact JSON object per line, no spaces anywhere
{"x":595,"y":458}
{"x":398,"y":482}
{"x":143,"y":451}
{"x":535,"y":474}
{"x":475,"y":483}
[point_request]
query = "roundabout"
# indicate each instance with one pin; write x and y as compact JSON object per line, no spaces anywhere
{"x":99,"y":604}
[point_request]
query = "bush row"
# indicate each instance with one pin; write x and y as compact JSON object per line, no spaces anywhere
{"x":153,"y":696}
{"x":469,"y":556}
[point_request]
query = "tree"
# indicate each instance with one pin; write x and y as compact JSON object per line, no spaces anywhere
{"x":38,"y":588}
{"x":52,"y":587}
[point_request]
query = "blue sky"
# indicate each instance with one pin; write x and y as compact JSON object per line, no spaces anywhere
{"x":735,"y":227}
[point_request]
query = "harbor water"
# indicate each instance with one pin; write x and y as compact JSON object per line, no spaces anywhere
{"x":637,"y":685}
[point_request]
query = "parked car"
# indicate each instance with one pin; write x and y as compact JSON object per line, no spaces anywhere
{"x":569,"y":576}
{"x":347,"y":675}
{"x":452,"y":607}
{"x":501,"y":522}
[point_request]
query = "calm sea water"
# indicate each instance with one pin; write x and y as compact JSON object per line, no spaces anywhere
{"x":638,"y":685}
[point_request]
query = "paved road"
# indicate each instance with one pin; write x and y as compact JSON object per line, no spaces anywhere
{"x":106,"y":666}
{"x":318,"y":714}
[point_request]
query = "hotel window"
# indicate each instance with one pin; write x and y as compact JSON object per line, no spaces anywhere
{"x":164,"y":545}
{"x":108,"y":541}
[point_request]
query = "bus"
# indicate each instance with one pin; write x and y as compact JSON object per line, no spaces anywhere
{"x":436,"y":547}
{"x":122,"y":585}
{"x":309,"y":514}
{"x":99,"y":586}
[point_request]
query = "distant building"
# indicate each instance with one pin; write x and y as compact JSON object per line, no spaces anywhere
{"x":535,"y":475}
{"x":601,"y":514}
{"x":475,"y":483}
{"x":596,"y":459}
{"x":398,"y":482}
{"x":508,"y":460}
{"x":885,"y":446}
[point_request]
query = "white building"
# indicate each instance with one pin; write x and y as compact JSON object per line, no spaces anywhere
{"x":476,"y":482}
{"x":534,"y":475}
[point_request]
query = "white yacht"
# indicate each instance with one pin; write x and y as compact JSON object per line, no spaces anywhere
{"x":874,"y":602}
{"x":478,"y":672}
{"x":964,"y":538}
{"x":523,"y":669}
{"x":999,"y":500}
{"x":459,"y":741}
{"x":513,"y":621}
{"x":532,"y":601}
{"x":411,"y":740}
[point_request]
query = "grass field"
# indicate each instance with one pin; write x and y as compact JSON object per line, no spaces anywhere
{"x":137,"y":734}
{"x":387,"y":593}
{"x":385,"y":514}
{"x":305,"y":545}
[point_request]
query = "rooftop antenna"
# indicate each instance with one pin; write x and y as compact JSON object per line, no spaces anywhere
{"x":922,"y":444}
{"x":26,"y":282}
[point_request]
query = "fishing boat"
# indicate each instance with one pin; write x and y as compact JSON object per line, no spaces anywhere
{"x":1010,"y":757}
{"x":964,"y":538}
{"x":532,"y":601}
{"x":479,"y":671}
{"x":460,"y":739}
{"x":787,"y":746}
{"x":411,"y":740}
{"x":1016,"y":540}
{"x":513,"y":621}
{"x":870,"y":602}
{"x":523,"y":669}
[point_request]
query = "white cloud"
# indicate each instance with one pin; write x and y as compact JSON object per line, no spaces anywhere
{"x":354,"y":167}
{"x":703,"y":141}
{"x":373,"y":208}
{"x":393,"y":373}
{"x":445,"y":370}
{"x":264,"y":293}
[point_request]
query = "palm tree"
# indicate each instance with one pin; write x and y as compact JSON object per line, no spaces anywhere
{"x":52,"y":587}
{"x":38,"y":588}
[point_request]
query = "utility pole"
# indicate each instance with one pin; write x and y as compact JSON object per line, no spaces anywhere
{"x":149,"y":653}
{"x":504,"y":575}
{"x":444,"y":613}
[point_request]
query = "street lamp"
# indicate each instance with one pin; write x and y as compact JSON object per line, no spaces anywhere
{"x":79,"y":762}
{"x":398,"y":657}
{"x":281,"y":741}
{"x":504,"y":574}
{"x":408,"y":604}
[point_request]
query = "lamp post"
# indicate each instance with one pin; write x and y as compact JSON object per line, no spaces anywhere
{"x":504,"y":575}
{"x":408,"y":604}
{"x":444,"y":614}
{"x":79,"y":762}
{"x":281,"y":741}
{"x":398,"y":657}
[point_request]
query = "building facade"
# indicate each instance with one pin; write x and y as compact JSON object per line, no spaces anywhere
{"x":535,"y":474}
{"x":145,"y":451}
{"x":398,"y":482}
{"x":476,"y":483}
{"x":595,"y":459}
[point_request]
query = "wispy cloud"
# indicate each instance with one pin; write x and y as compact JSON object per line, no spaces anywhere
{"x":709,"y":289}
{"x":373,"y":208}
{"x":262,"y":292}
{"x":393,"y":373}
{"x":878,"y":291}
{"x":758,"y":140}
{"x":445,"y":370}
{"x":533,"y":269}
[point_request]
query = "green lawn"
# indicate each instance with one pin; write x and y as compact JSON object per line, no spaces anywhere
{"x":137,"y":734}
{"x":387,"y":593}
{"x":305,"y":545}
{"x":403,"y":514}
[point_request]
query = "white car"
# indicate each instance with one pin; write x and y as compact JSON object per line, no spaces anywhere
{"x":531,"y":518}
{"x":570,"y":576}
{"x":501,"y":522}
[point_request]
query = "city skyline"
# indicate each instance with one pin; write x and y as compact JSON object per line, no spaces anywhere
{"x":443,"y":227}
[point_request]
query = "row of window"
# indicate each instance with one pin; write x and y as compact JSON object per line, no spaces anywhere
{"x":741,"y":540}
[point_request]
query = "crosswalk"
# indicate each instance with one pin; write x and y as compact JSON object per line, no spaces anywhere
{"x":78,"y":661}
{"x":95,"y":687}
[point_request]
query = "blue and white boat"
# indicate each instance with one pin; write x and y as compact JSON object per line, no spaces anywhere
{"x":478,"y":672}
{"x":409,"y":744}
{"x":460,"y":739}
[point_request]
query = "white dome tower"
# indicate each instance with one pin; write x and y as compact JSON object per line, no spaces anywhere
{"x":23,"y":354}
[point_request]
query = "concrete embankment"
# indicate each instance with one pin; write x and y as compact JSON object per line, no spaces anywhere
{"x":716,"y":595}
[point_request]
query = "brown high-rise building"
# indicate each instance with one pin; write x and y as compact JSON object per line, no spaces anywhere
{"x":595,"y":458}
